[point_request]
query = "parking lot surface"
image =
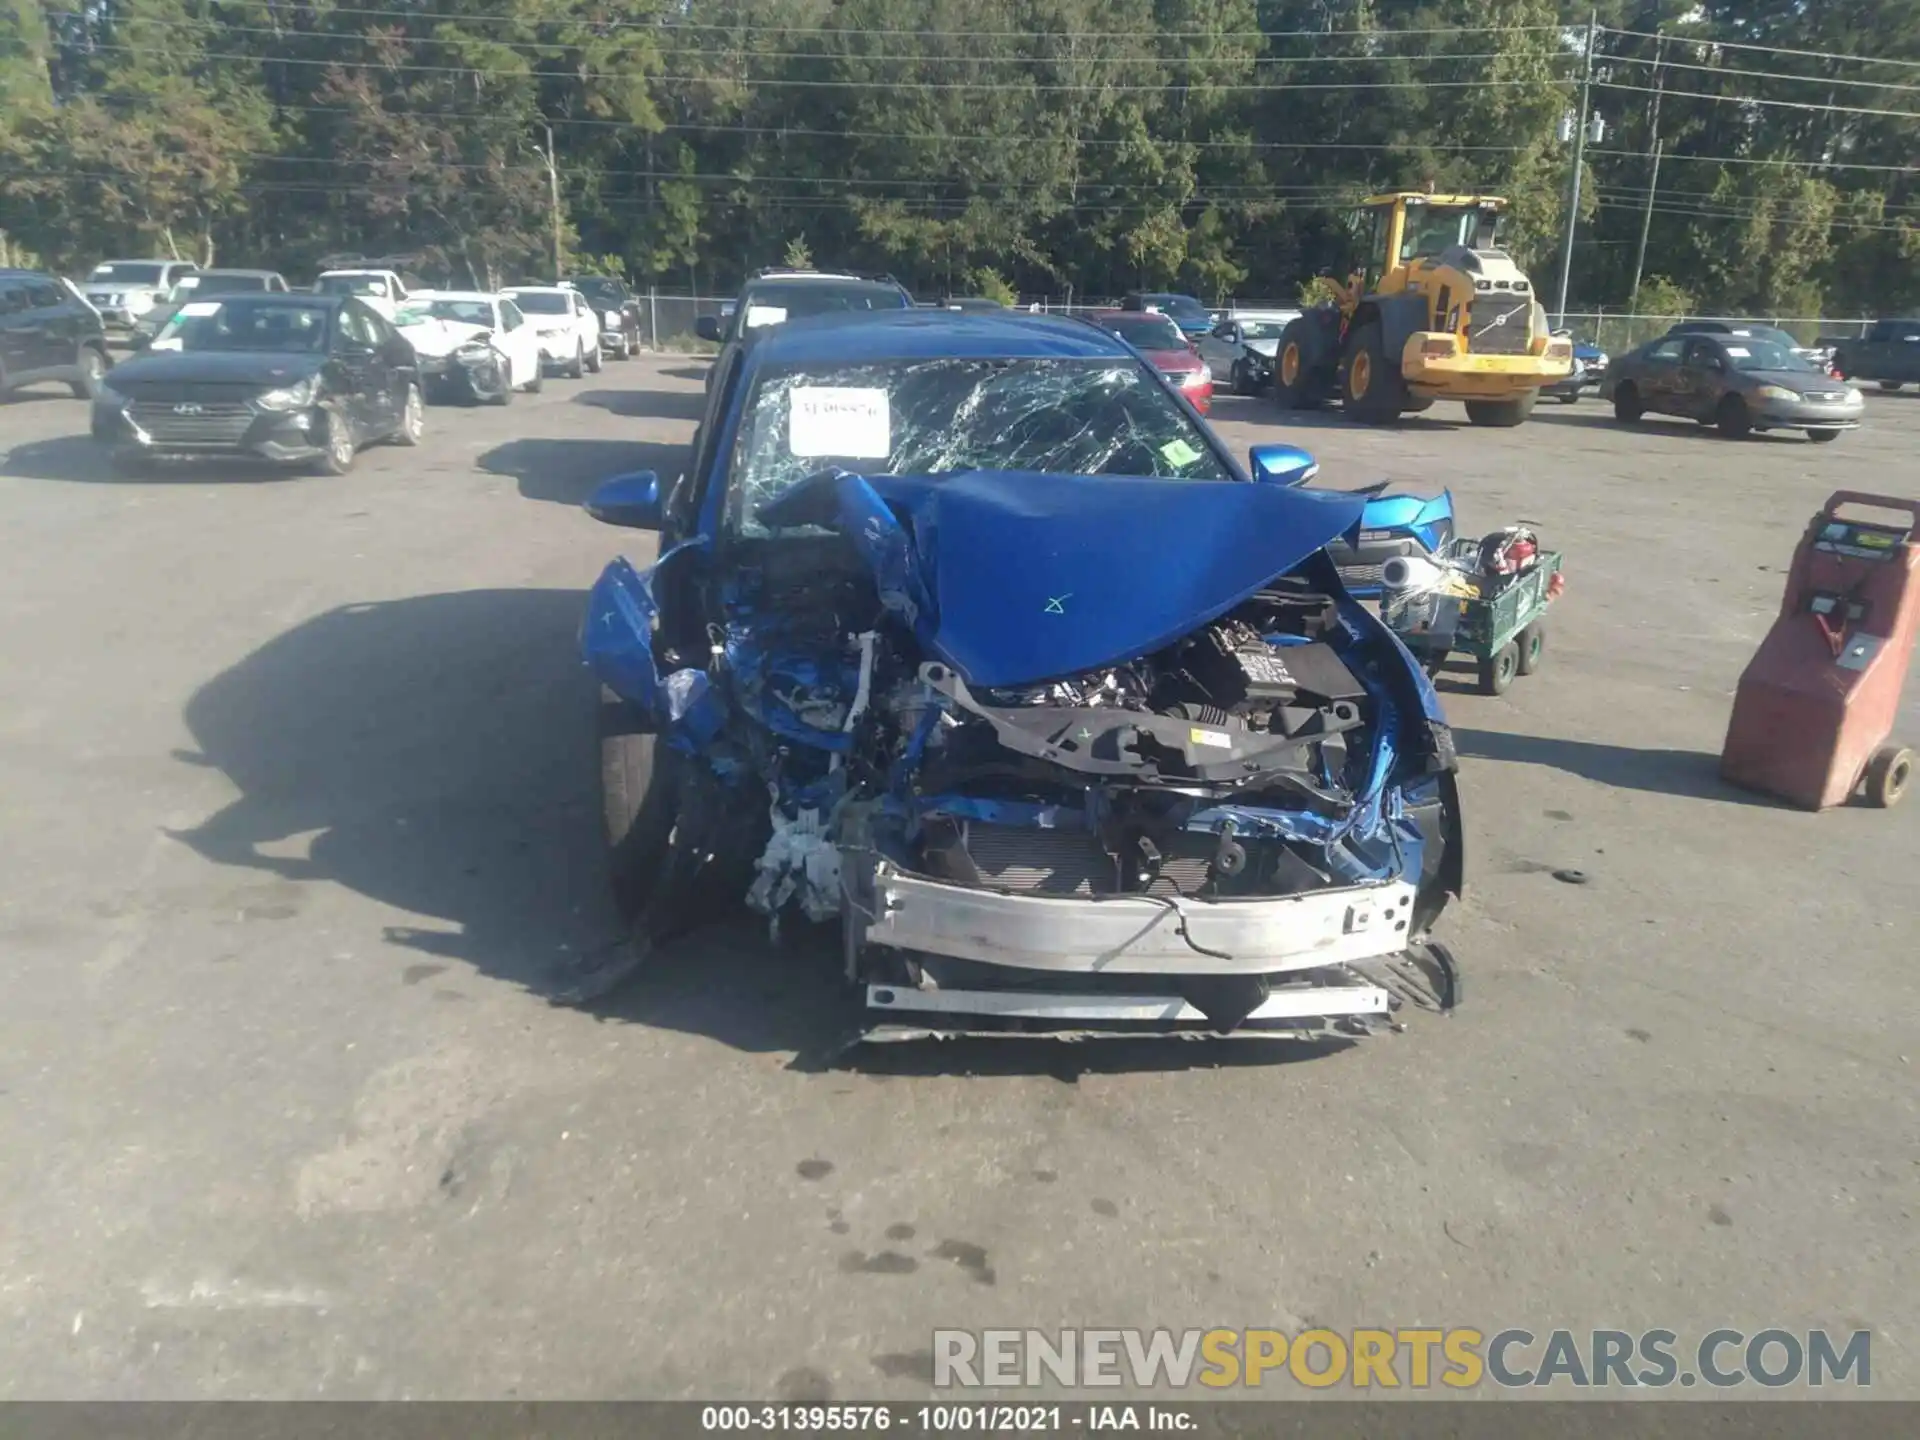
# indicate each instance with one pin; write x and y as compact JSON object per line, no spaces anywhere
{"x":300,"y":827}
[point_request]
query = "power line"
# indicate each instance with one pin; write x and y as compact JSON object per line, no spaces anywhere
{"x":1756,"y":100}
{"x":800,"y":83}
{"x":1750,"y":160}
{"x":1759,"y":74}
{"x":1765,"y":49}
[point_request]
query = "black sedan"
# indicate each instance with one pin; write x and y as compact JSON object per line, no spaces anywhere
{"x":292,"y":379}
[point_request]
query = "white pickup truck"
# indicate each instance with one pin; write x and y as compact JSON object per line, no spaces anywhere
{"x":382,"y":289}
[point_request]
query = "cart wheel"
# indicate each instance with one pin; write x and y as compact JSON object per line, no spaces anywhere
{"x":1532,"y":643}
{"x":1887,"y":775}
{"x":1497,"y":673}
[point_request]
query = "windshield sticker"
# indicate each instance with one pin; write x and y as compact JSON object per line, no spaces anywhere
{"x":1178,"y":452}
{"x":852,"y":423}
{"x":200,"y":308}
{"x":758,"y":315}
{"x":1740,"y":350}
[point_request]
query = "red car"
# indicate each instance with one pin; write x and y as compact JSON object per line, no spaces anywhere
{"x":1166,"y":349}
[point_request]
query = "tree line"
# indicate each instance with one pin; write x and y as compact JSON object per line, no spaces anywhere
{"x":1059,"y":147}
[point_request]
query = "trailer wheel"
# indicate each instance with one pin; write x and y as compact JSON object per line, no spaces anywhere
{"x":1503,"y":414}
{"x":1371,"y":388}
{"x":1532,"y":644}
{"x":1887,"y":776}
{"x":1497,"y":672}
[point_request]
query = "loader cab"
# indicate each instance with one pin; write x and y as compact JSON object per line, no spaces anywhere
{"x":1393,"y":232}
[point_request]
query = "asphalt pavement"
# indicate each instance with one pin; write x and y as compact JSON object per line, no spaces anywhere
{"x":298,"y":819}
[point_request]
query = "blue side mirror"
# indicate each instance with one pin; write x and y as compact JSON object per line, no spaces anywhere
{"x":1282,"y":464}
{"x":631,"y":500}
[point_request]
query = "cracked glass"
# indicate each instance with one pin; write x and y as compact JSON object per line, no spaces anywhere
{"x":948,"y":416}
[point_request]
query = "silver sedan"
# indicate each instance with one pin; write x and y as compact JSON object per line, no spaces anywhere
{"x":1741,"y":384}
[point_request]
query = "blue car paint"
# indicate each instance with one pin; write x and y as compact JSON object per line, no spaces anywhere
{"x":1003,"y":548}
{"x":1424,"y":517}
{"x":1038,"y":577}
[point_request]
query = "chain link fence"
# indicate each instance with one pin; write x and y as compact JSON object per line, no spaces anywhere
{"x":1615,"y":332}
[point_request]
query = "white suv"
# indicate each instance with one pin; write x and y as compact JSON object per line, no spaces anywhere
{"x":568,"y":328}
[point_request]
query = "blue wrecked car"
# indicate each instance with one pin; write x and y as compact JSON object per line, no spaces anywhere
{"x":967,"y":635}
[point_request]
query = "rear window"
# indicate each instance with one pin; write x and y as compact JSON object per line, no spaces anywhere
{"x":375,"y":285}
{"x":772,"y":301}
{"x":543,"y":302}
{"x":214,"y":283}
{"x":1144,"y":331}
{"x":127,"y":272}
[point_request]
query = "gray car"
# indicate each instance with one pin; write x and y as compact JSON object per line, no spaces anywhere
{"x":1739,"y":383}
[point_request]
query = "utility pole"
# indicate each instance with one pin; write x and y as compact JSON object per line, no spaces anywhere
{"x":1653,"y":179}
{"x":1579,"y":160}
{"x":553,"y":202}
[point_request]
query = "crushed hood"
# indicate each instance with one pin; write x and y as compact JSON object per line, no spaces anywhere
{"x":440,"y":337}
{"x":1031,"y":577}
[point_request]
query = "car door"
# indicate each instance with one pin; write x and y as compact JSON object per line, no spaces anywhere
{"x":357,"y":363}
{"x":1221,"y":346}
{"x":17,"y":325}
{"x":519,"y":342}
{"x":1659,"y":381}
{"x":397,"y":369}
{"x":1701,"y":379}
{"x":49,"y":327}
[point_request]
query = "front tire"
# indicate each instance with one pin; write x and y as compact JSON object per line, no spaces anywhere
{"x":577,"y":367}
{"x":505,"y":397}
{"x":1822,"y":437}
{"x":1891,"y":385}
{"x":337,"y":447}
{"x":640,"y":800}
{"x":413,"y":418}
{"x":93,"y":368}
{"x":1502,"y":414}
{"x":539,"y":380}
{"x":1371,"y":389}
{"x":593,"y":359}
{"x":1627,"y":405}
{"x":1295,"y":385}
{"x":1733,"y":418}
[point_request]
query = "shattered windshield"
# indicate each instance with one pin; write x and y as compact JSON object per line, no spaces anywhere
{"x":946,"y":416}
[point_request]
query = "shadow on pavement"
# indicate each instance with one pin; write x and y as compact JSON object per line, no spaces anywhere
{"x":78,"y":459}
{"x":688,"y":372}
{"x":647,"y":404}
{"x":1688,"y":773}
{"x":438,"y":755}
{"x":1598,"y":418}
{"x":566,"y":472}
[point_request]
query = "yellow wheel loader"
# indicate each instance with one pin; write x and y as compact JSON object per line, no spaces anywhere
{"x":1436,"y":311}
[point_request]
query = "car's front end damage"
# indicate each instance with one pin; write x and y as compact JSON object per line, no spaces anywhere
{"x":1081,"y":754}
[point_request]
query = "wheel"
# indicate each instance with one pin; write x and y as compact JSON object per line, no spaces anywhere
{"x":1237,"y":379}
{"x":505,"y":397}
{"x":594,"y":359}
{"x":640,"y":799}
{"x":1733,"y":418}
{"x":413,"y":418}
{"x":1532,"y":644}
{"x":1891,"y":385}
{"x":1570,"y":397}
{"x":1627,"y":408}
{"x":625,"y":352}
{"x":539,"y":379}
{"x":1502,"y":414}
{"x":1371,"y":389}
{"x":92,"y":366}
{"x":577,"y":367}
{"x":1821,"y":437}
{"x":1887,"y":775}
{"x":1295,"y":385}
{"x":336,"y":456}
{"x":1497,"y":674}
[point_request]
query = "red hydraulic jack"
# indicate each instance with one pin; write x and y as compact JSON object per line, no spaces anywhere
{"x":1818,"y":700}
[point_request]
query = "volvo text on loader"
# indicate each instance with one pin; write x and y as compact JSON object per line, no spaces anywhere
{"x":1435,"y":312}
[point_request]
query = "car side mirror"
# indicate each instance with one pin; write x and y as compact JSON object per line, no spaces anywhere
{"x":707,"y":327}
{"x":631,"y":500}
{"x":1282,"y":464}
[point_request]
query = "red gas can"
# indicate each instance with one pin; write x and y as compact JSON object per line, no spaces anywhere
{"x":1817,"y":701}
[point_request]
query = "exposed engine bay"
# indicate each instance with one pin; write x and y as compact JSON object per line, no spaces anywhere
{"x":1267,"y":754}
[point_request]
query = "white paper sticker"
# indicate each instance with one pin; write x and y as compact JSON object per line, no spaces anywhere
{"x":1739,"y":350}
{"x":170,"y":342}
{"x":758,"y":315}
{"x":845,"y":421}
{"x":199,"y":309}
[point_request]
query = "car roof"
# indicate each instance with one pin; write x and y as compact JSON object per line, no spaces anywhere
{"x":934,"y":334}
{"x":144,"y":260}
{"x":1263,"y":314}
{"x":536,"y":290}
{"x":262,"y":274}
{"x":359,"y":270}
{"x":292,"y":299}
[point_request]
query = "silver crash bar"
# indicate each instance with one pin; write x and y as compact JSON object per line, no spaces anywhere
{"x":1139,"y":934}
{"x":1297,"y":1003}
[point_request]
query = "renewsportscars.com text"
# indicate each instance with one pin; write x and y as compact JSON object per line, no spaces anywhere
{"x":1458,"y":1358}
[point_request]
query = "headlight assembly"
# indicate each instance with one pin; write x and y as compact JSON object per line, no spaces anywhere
{"x":288,"y":397}
{"x":1776,"y":392}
